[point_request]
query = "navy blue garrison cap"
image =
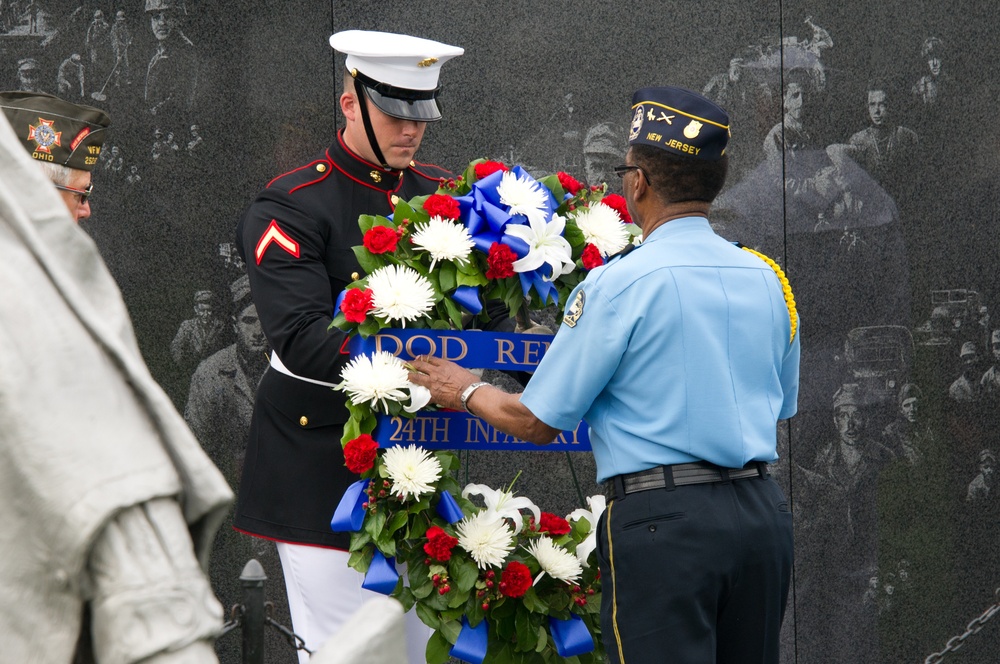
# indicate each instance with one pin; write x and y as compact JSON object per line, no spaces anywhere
{"x":679,"y":121}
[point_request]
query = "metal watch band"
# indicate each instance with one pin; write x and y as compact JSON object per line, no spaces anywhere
{"x":468,"y":393}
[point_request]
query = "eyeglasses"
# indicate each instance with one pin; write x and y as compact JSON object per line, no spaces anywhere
{"x":620,"y":171}
{"x":84,"y":194}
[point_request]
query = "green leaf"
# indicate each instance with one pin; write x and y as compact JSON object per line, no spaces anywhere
{"x":454,"y":313}
{"x":368,"y":261}
{"x":369,"y":327}
{"x":543,"y":639}
{"x":464,"y":573}
{"x":451,"y":630}
{"x":397,"y":521}
{"x":428,"y":616}
{"x":359,"y":540}
{"x":534,"y":603}
{"x":406,"y":598}
{"x":365,"y":222}
{"x":374,"y":523}
{"x":446,"y":274}
{"x":438,"y":648}
{"x":361,"y":560}
{"x":476,"y":279}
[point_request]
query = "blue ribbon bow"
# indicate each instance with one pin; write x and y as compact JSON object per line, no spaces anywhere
{"x":471,"y":643}
{"x":571,"y":636}
{"x":350,"y":514}
{"x":448,"y":509}
{"x":382,"y":576}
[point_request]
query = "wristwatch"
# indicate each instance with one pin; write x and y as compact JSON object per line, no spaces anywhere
{"x":467,"y":392}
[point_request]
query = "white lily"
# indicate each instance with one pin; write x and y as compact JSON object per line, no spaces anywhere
{"x":420,"y":396}
{"x":502,"y":504}
{"x":546,"y":245}
{"x":597,"y":504}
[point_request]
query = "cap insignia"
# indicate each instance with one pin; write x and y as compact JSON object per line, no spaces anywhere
{"x":636,"y":123}
{"x":427,"y":62}
{"x":375,"y":176}
{"x":44,"y":135}
{"x":693,"y":129}
{"x":575,"y":310}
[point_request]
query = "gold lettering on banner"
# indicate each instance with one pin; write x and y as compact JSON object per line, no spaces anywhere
{"x":382,"y":342}
{"x":524,"y":351}
{"x":420,"y":430}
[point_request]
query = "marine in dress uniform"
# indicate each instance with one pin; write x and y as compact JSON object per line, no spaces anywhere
{"x":681,"y":355}
{"x":297,"y":240}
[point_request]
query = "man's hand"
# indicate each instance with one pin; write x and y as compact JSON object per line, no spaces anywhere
{"x":445,"y":380}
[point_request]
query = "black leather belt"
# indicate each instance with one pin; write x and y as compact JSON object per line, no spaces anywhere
{"x":679,"y":474}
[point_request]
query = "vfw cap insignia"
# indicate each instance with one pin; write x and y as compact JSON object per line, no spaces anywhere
{"x":44,"y":135}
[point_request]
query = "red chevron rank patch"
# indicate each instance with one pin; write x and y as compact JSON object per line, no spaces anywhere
{"x":277,"y":236}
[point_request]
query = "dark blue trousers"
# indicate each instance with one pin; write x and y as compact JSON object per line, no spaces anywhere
{"x":697,"y":574}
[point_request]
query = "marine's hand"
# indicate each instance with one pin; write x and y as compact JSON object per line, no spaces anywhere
{"x":445,"y":380}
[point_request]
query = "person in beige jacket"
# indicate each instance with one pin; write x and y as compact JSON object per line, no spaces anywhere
{"x":108,"y":505}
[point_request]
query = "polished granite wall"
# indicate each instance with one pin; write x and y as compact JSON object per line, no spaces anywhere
{"x":888,"y":231}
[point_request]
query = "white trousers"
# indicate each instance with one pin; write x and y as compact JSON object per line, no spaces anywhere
{"x":323,"y":594}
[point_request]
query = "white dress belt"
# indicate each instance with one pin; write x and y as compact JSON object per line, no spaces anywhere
{"x":278,"y":366}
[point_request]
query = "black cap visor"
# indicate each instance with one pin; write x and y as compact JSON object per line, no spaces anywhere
{"x":421,"y":110}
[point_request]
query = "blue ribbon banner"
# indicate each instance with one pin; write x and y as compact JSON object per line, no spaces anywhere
{"x":471,"y":643}
{"x":473,"y":349}
{"x":382,"y":576}
{"x":571,"y":636}
{"x":350,"y":515}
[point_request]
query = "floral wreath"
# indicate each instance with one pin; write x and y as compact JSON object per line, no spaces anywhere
{"x":501,"y":582}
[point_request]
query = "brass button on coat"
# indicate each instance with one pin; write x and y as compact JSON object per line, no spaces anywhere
{"x":303,"y":420}
{"x":321,"y":168}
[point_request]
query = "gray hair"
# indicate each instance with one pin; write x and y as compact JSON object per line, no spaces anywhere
{"x":57,"y":173}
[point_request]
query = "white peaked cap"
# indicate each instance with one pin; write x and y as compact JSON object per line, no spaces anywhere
{"x":401,"y":61}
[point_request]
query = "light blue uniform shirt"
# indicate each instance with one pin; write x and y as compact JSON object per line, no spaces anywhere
{"x":681,"y":353}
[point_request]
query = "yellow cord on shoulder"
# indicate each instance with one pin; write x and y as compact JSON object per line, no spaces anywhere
{"x":793,"y":316}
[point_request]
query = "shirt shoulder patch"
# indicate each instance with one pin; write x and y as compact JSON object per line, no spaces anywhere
{"x":575,"y":310}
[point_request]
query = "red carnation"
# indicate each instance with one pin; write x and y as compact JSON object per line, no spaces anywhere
{"x":553,"y":525}
{"x":592,"y":257}
{"x":515,"y":580}
{"x":569,"y":183}
{"x":617,"y":203}
{"x":356,"y":305}
{"x":439,"y":205}
{"x":439,"y":544}
{"x":500,"y":261}
{"x":359,"y":454}
{"x":487,"y":168}
{"x":381,"y":240}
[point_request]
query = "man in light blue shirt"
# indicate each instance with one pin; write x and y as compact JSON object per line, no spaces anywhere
{"x":681,"y":355}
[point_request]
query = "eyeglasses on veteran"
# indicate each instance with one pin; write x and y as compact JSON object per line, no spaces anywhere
{"x":84,"y":194}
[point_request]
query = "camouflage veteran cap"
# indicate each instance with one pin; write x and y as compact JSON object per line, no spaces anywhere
{"x":679,"y":121}
{"x":54,"y":130}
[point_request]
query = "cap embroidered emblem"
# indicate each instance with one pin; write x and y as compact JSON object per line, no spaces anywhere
{"x":575,"y":310}
{"x":693,"y":129}
{"x":427,"y":62}
{"x":636,"y":123}
{"x":44,"y":135}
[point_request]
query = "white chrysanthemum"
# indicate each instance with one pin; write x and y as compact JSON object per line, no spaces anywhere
{"x":502,"y":504}
{"x":555,"y":561}
{"x":487,"y":539}
{"x":413,"y":470}
{"x":445,"y":240}
{"x":546,"y":244}
{"x":375,"y":380}
{"x":400,"y":293}
{"x":523,"y":196}
{"x":603,"y":227}
{"x":597,"y":505}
